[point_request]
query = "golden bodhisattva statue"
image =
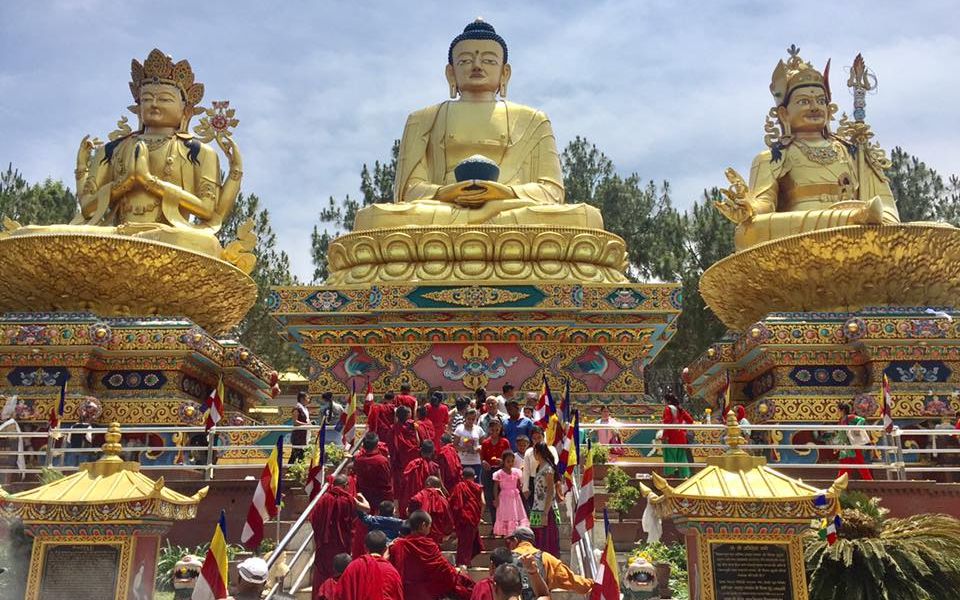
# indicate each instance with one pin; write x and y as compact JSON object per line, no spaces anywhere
{"x":159,"y":182}
{"x":809,"y":178}
{"x":524,"y":186}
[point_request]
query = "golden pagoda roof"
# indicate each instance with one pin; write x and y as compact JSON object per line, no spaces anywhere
{"x":109,"y":489}
{"x":740,"y":485}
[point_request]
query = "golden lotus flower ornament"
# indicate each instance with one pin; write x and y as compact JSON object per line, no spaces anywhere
{"x":217,"y":122}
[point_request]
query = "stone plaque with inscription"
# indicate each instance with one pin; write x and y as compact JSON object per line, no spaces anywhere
{"x":744,"y":571}
{"x":80,"y":572}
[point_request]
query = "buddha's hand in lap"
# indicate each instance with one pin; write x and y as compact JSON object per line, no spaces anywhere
{"x":473,"y":192}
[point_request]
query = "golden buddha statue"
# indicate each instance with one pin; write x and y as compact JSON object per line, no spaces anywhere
{"x":159,"y":182}
{"x":809,"y":178}
{"x":475,"y":125}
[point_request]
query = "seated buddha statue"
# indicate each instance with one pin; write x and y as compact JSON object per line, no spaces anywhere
{"x":526,"y":187}
{"x":159,"y":182}
{"x":809,"y":178}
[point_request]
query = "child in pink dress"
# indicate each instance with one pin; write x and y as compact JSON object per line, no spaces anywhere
{"x":510,"y":511}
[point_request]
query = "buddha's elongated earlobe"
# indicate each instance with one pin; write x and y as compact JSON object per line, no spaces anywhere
{"x":503,"y":89}
{"x":454,"y":92}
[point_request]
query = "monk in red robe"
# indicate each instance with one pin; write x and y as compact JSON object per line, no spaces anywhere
{"x":426,"y":574}
{"x":415,"y":475}
{"x":405,"y":398}
{"x":333,"y":520}
{"x":380,"y":419}
{"x":466,"y":506}
{"x":407,"y":444}
{"x":373,"y":471}
{"x":432,"y":501}
{"x":425,"y":428}
{"x":330,"y":589}
{"x":371,"y":576}
{"x":449,"y":462}
{"x":439,"y":415}
{"x":484,"y":590}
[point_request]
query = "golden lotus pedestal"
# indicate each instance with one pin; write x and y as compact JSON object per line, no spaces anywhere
{"x":126,"y":324}
{"x":96,"y":533}
{"x":460,"y":308}
{"x":743,"y":524}
{"x":477,"y":253}
{"x":818,"y":319}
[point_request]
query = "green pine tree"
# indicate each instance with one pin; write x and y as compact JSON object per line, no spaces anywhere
{"x":34,"y":204}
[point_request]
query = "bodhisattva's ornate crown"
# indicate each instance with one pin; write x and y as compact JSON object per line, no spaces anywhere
{"x":792,"y":74}
{"x":160,"y":68}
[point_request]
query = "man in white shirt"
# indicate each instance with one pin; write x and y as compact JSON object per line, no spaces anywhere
{"x":508,"y":394}
{"x":491,"y":411}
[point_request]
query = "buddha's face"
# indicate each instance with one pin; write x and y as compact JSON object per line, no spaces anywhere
{"x":161,"y":105}
{"x":478,"y":66}
{"x":807,"y":111}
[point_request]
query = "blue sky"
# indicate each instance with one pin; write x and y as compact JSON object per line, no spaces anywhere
{"x":673,"y":91}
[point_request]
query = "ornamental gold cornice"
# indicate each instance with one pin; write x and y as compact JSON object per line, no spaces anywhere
{"x":884,"y":265}
{"x":478,"y":253}
{"x":72,"y":512}
{"x":116,"y":275}
{"x":751,"y":510}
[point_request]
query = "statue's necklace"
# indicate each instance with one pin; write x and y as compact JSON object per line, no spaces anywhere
{"x":822,"y":155}
{"x":155,"y":143}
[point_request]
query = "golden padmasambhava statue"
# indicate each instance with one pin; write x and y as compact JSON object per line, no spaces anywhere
{"x":809,"y":178}
{"x":477,"y":159}
{"x":159,"y":182}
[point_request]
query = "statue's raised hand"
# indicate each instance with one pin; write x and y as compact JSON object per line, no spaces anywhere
{"x":736,"y":204}
{"x":88,"y":146}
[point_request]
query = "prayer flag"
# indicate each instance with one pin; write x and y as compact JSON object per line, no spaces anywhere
{"x":265,"y":501}
{"x":886,"y":401}
{"x":212,"y":582}
{"x":317,"y":457}
{"x":568,"y":459}
{"x":583,"y":517}
{"x":56,"y":414}
{"x":545,"y":408}
{"x":369,"y":396}
{"x":725,"y":395}
{"x":607,"y":586}
{"x":349,"y":419}
{"x":215,"y":405}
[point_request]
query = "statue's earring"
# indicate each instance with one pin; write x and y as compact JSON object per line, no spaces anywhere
{"x":503,"y":89}
{"x":454,"y":92}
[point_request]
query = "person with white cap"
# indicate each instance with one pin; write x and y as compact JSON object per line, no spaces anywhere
{"x":252,"y":576}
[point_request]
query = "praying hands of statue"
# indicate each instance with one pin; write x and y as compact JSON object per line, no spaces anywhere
{"x":473,"y":192}
{"x":143,"y":178}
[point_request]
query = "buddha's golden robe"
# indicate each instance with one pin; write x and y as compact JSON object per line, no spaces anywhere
{"x":797,"y":194}
{"x":518,"y":138}
{"x":195,"y":169}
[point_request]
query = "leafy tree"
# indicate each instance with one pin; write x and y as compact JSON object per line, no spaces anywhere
{"x":376,"y":186}
{"x":258,"y":330}
{"x":642,"y":214}
{"x":920,"y":191}
{"x":35,"y":204}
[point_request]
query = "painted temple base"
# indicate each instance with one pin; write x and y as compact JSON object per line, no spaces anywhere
{"x":118,"y":275}
{"x":798,"y":367}
{"x":743,"y":523}
{"x":458,"y":337}
{"x":101,"y":525}
{"x":477,"y":253}
{"x":839,"y":269}
{"x":137,"y":371}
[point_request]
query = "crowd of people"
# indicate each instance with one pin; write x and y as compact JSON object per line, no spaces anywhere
{"x":423,"y":479}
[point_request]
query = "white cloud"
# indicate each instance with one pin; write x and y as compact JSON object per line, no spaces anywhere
{"x":672,"y":91}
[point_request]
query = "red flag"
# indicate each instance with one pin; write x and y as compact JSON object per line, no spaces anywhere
{"x":583,"y":517}
{"x":266,"y":499}
{"x":215,"y":405}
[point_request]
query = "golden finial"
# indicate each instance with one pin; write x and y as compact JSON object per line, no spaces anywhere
{"x":112,"y":445}
{"x":734,"y":439}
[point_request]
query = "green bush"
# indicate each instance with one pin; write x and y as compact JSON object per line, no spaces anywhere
{"x":600,"y":454}
{"x":625,"y":499}
{"x":615,"y":479}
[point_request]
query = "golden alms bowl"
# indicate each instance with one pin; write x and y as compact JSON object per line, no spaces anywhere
{"x":114,"y":275}
{"x":839,"y":269}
